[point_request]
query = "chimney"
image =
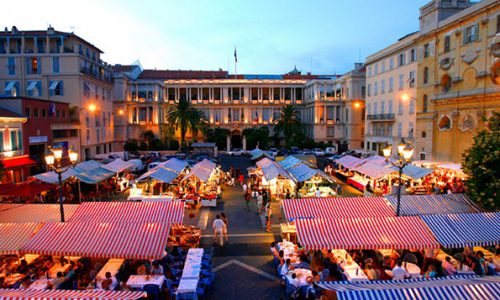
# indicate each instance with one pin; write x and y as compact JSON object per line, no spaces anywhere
{"x":50,"y":30}
{"x":15,"y":30}
{"x":6,"y":29}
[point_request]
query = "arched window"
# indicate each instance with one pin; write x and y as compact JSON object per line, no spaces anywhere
{"x":424,"y":134}
{"x":426,"y":75}
{"x":425,"y":103}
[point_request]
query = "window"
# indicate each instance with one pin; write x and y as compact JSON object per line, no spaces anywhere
{"x":369,"y":108}
{"x":11,"y":66}
{"x":11,"y":88}
{"x":369,"y":71}
{"x":194,"y":93}
{"x":446,"y":44}
{"x":382,"y":107}
{"x":369,"y":90}
{"x":56,"y":88}
{"x":401,"y":81}
{"x":98,"y":149}
{"x":411,"y":79}
{"x":390,"y":106}
{"x":55,"y":65}
{"x":391,"y":84}
{"x":375,"y":88}
{"x":330,"y":131}
{"x":34,"y":88}
{"x":424,"y":134}
{"x":422,"y":156}
{"x":400,"y":129}
{"x":382,"y":86}
{"x":298,"y":93}
{"x":426,"y":75}
{"x":413,"y":56}
{"x":410,"y":129}
{"x":205,"y":93}
{"x":375,"y":108}
{"x":471,"y":34}
{"x":44,"y":113}
{"x":412,"y":106}
{"x":401,"y":59}
{"x":33,"y":66}
{"x":376,"y":69}
{"x":400,"y":107}
{"x":382,"y":66}
{"x":86,"y":90}
{"x":424,"y":103}
{"x":27,"y":112}
{"x":35,"y":112}
{"x":427,"y":50}
{"x":391,"y":63}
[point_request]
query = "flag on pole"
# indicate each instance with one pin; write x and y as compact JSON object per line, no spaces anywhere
{"x":235,"y":55}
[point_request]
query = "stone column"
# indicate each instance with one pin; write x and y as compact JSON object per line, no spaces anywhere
{"x":228,"y":142}
{"x":244,"y":142}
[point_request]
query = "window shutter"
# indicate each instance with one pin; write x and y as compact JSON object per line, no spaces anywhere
{"x":61,"y":87}
{"x":476,"y":31}
{"x":51,"y":91}
{"x":464,"y":36}
{"x":19,"y":140}
{"x":13,"y":143}
{"x":39,"y":88}
{"x":1,"y":141}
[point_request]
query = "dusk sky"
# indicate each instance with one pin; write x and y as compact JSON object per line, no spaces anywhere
{"x":270,"y":36}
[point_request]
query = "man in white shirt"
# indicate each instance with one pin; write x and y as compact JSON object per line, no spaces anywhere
{"x":318,"y":193}
{"x":245,"y":187}
{"x":219,"y":228}
{"x":399,"y":273}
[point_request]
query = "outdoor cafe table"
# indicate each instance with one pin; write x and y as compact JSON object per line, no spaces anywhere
{"x":187,"y":286}
{"x":302,"y":275}
{"x":40,"y":284}
{"x":112,"y":266}
{"x":139,"y":281}
{"x":289,"y":251}
{"x":192,"y":265}
{"x":349,"y":266}
{"x":412,"y":269}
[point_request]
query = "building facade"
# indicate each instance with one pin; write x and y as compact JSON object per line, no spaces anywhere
{"x":391,"y":95}
{"x":459,"y":75}
{"x":143,"y":98}
{"x":61,"y":67}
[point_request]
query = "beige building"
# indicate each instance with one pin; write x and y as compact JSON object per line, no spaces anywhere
{"x":143,"y":97}
{"x":391,"y":94}
{"x":63,"y":67}
{"x":459,"y":75}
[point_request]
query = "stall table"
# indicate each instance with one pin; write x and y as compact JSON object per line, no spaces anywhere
{"x":302,"y":275}
{"x":40,"y":284}
{"x":192,"y":266}
{"x":352,"y":271}
{"x":412,"y":269}
{"x":139,"y":281}
{"x":355,"y":183}
{"x":187,"y":286}
{"x":289,"y":232}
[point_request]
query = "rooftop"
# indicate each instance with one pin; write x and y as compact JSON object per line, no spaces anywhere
{"x":5,"y":113}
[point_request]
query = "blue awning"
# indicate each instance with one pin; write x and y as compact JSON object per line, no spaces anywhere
{"x":93,"y":176}
{"x":302,"y":172}
{"x":460,"y":230}
{"x":257,"y":153}
{"x":453,"y":287}
{"x":175,"y":165}
{"x":412,"y":205}
{"x":164,"y":175}
{"x":290,"y":162}
{"x":415,"y":172}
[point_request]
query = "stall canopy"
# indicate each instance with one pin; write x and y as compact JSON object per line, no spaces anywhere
{"x":202,"y":170}
{"x":93,"y":176}
{"x":373,"y":170}
{"x":433,"y":204}
{"x":349,"y":161}
{"x":454,"y":287}
{"x":129,"y":212}
{"x":14,"y":235}
{"x":272,"y":169}
{"x":52,"y":177}
{"x":365,"y":233}
{"x":21,"y":294}
{"x":303,"y":172}
{"x":342,"y":207}
{"x":100,"y":240}
{"x":35,"y":213}
{"x":88,"y":165}
{"x":460,"y":230}
{"x":290,"y":161}
{"x":175,"y":165}
{"x":414,"y":172}
{"x":257,"y":154}
{"x":118,"y":166}
{"x":160,"y":174}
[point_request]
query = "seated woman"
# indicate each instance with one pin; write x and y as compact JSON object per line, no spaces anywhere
{"x":370,"y":272}
{"x":156,"y":269}
{"x":431,"y":272}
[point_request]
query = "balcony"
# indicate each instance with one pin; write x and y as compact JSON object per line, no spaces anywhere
{"x":381,"y":118}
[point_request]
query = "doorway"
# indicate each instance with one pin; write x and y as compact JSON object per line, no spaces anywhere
{"x":236,"y":139}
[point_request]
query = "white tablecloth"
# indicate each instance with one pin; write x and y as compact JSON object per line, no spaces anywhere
{"x":413,"y":269}
{"x":139,"y":281}
{"x":40,"y":284}
{"x":301,"y":278}
{"x":192,"y":265}
{"x":350,"y":273}
{"x":188,"y":286}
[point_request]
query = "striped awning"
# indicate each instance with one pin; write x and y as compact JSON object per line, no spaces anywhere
{"x":365,"y":233}
{"x":100,"y":240}
{"x":433,"y":204}
{"x":342,"y":207}
{"x":29,"y":294}
{"x":35,"y":213}
{"x":460,"y":230}
{"x":14,"y":235}
{"x":130,"y":212}
{"x":455,"y":287}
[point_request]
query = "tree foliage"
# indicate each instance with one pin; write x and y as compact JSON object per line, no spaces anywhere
{"x":289,"y":125}
{"x":258,"y":136}
{"x":482,"y":163}
{"x":131,"y":145}
{"x":149,"y":137}
{"x":217,"y":135}
{"x":184,"y":116}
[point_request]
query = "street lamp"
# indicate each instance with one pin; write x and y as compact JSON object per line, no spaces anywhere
{"x":405,"y":152}
{"x":53,"y":160}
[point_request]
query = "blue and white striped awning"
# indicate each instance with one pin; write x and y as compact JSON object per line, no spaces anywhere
{"x":413,"y":205}
{"x":455,"y":287}
{"x":460,"y":230}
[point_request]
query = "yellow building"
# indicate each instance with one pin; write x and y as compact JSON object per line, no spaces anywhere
{"x":458,"y":75}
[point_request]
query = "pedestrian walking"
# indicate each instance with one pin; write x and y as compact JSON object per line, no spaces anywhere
{"x":259,"y":203}
{"x":241,"y":179}
{"x":245,"y":188}
{"x":224,"y":219}
{"x":219,"y":228}
{"x":269,"y":212}
{"x":247,"y":200}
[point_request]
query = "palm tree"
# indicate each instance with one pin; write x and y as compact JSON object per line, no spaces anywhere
{"x":185,"y":116}
{"x":288,"y":123}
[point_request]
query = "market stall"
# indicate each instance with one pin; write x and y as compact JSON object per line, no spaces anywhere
{"x":274,"y":177}
{"x":257,"y":154}
{"x":14,"y":235}
{"x":433,"y":204}
{"x":200,"y":184}
{"x":461,"y":230}
{"x":118,"y":166}
{"x":35,"y":213}
{"x":18,"y":294}
{"x":184,"y":236}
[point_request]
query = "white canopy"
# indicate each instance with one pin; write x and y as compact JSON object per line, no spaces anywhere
{"x":202,"y":170}
{"x":51,"y":176}
{"x":118,"y":166}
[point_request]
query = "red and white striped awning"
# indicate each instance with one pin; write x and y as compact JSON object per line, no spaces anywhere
{"x":18,"y":294}
{"x":130,"y":212}
{"x":342,"y":207}
{"x":35,"y":213}
{"x":14,"y":235}
{"x":365,"y":233}
{"x":100,"y":240}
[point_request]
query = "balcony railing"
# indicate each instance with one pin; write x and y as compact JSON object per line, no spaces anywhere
{"x":381,"y":117}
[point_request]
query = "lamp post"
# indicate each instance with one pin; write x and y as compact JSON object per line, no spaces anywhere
{"x":53,"y":160}
{"x":405,"y":152}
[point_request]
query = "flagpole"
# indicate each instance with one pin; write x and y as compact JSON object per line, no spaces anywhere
{"x":235,"y":63}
